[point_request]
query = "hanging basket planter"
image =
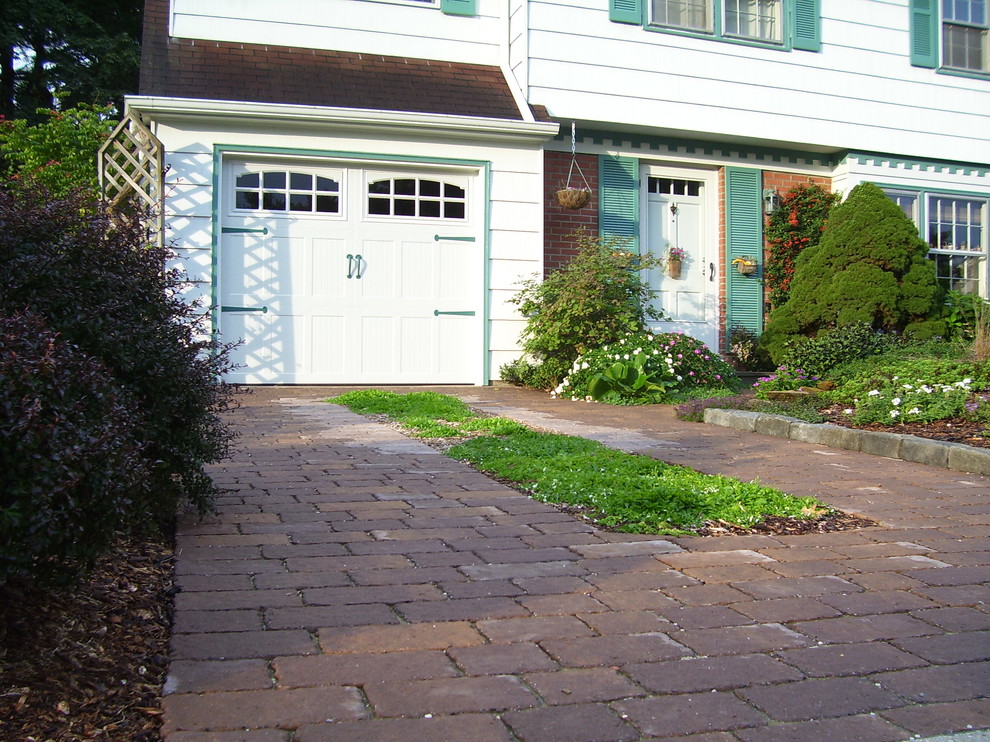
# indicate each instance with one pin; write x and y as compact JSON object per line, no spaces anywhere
{"x":674,"y":268}
{"x":573,"y":198}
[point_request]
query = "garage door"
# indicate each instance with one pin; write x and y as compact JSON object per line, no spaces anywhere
{"x":350,"y":274}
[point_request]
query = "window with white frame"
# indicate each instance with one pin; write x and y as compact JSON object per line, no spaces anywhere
{"x":956,"y":233}
{"x":416,"y":197}
{"x":965,"y":35}
{"x":282,"y":190}
{"x":756,"y":20}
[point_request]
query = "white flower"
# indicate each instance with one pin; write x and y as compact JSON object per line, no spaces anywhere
{"x":914,"y":411}
{"x":626,"y":356}
{"x":584,"y":365}
{"x":847,"y":411}
{"x":907,"y":386}
{"x":895,"y":401}
{"x":874,"y":393}
{"x":638,"y":350}
{"x":895,"y":413}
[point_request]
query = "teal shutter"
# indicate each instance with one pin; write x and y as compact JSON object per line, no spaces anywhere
{"x":458,"y":7}
{"x":807,"y":31}
{"x":618,"y":199}
{"x":743,"y":238}
{"x":625,"y":11}
{"x":924,"y":33}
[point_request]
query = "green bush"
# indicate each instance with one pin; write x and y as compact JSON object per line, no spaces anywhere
{"x":836,"y":346}
{"x":103,"y":289}
{"x":69,"y":456}
{"x":670,"y":361}
{"x":784,"y":379}
{"x":870,"y":267}
{"x":598,"y":297}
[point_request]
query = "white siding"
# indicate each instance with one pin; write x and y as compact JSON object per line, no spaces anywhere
{"x":860,"y":92}
{"x":366,"y":26}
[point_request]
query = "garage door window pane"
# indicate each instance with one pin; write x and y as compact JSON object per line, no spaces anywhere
{"x":416,"y":197}
{"x":279,"y":190}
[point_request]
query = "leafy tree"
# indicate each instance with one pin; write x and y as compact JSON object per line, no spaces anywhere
{"x":598,"y":297}
{"x":60,"y":53}
{"x":59,"y":153}
{"x":795,"y":225}
{"x":870,"y":266}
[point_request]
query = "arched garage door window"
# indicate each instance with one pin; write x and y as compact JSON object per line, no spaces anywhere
{"x":416,"y":197}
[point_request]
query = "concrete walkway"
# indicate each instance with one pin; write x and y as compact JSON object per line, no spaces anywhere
{"x":357,"y":585}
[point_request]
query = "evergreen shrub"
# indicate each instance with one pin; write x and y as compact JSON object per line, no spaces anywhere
{"x":869,"y":267}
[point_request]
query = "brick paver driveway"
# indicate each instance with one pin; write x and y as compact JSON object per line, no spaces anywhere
{"x":358,"y":585}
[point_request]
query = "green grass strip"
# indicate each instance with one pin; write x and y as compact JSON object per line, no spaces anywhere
{"x":628,"y":492}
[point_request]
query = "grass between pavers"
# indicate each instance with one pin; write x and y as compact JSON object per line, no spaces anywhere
{"x":627,"y":492}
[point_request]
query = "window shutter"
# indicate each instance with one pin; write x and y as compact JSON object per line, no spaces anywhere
{"x":458,"y":7}
{"x":924,"y":30}
{"x":618,"y":199}
{"x":625,"y":11}
{"x":743,"y":238}
{"x":807,"y":32}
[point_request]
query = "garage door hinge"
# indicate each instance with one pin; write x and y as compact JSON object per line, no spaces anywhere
{"x":437,"y":313}
{"x":438,"y":238}
{"x":243,"y":230}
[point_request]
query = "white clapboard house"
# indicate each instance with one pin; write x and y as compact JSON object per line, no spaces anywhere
{"x":358,"y":186}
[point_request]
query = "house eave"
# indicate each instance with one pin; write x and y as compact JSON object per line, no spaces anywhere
{"x":405,"y":123}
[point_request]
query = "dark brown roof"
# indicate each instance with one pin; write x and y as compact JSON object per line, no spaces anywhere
{"x":188,"y":68}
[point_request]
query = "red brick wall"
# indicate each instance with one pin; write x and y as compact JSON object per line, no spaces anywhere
{"x":560,"y":224}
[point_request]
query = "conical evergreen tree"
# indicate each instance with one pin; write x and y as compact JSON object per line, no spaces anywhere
{"x":870,"y":266}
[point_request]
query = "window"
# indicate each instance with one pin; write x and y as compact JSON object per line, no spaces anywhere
{"x":953,"y":35}
{"x":758,"y":20}
{"x":416,"y":197}
{"x":673,"y":187}
{"x":956,"y":233}
{"x":785,"y":23}
{"x":280,"y":190}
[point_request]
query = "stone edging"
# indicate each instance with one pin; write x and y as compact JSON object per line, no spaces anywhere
{"x":955,"y":456}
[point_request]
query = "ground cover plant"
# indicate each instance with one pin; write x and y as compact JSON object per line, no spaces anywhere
{"x":645,"y":368}
{"x":618,"y":490}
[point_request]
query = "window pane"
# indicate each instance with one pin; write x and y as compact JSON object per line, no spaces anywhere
{"x":379,"y":206}
{"x":964,"y":47}
{"x":380,"y":186}
{"x":690,"y":14}
{"x":429,"y":188}
{"x":248,"y":180}
{"x":429,"y":208}
{"x":960,"y":272}
{"x":300,"y":181}
{"x":453,"y":210}
{"x":274,"y":180}
{"x":956,"y":224}
{"x":247,"y":200}
{"x":300,"y":202}
{"x":326,"y":184}
{"x":327,"y":204}
{"x":452,"y":191}
{"x":405,"y":207}
{"x":405,"y":187}
{"x":274,"y":201}
{"x":754,"y":19}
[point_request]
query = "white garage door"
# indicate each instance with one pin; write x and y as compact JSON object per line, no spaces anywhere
{"x":349,"y":274}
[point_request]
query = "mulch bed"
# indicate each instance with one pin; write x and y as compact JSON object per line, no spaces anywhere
{"x":88,"y":662}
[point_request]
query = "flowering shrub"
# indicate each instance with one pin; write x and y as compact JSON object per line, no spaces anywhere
{"x":918,"y":402}
{"x":673,"y":361}
{"x":785,"y":378}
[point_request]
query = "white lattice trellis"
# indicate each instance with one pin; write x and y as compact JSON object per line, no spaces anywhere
{"x":131,"y":172}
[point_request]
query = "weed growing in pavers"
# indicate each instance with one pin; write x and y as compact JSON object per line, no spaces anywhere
{"x":627,"y":492}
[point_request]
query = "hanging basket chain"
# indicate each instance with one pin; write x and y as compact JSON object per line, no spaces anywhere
{"x":571,"y":197}
{"x":574,"y":162}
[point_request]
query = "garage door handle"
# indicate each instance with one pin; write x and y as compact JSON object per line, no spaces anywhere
{"x":350,"y":265}
{"x":358,"y":259}
{"x":437,"y":313}
{"x":263,"y":310}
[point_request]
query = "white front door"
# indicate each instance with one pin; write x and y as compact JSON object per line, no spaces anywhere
{"x":350,"y":275}
{"x":676,"y":215}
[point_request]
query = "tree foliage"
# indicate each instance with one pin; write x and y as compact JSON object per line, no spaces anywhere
{"x":60,"y":53}
{"x":795,"y":225}
{"x":870,"y":267}
{"x":57,"y":154}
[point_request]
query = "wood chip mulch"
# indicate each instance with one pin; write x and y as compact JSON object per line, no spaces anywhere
{"x":88,"y":662}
